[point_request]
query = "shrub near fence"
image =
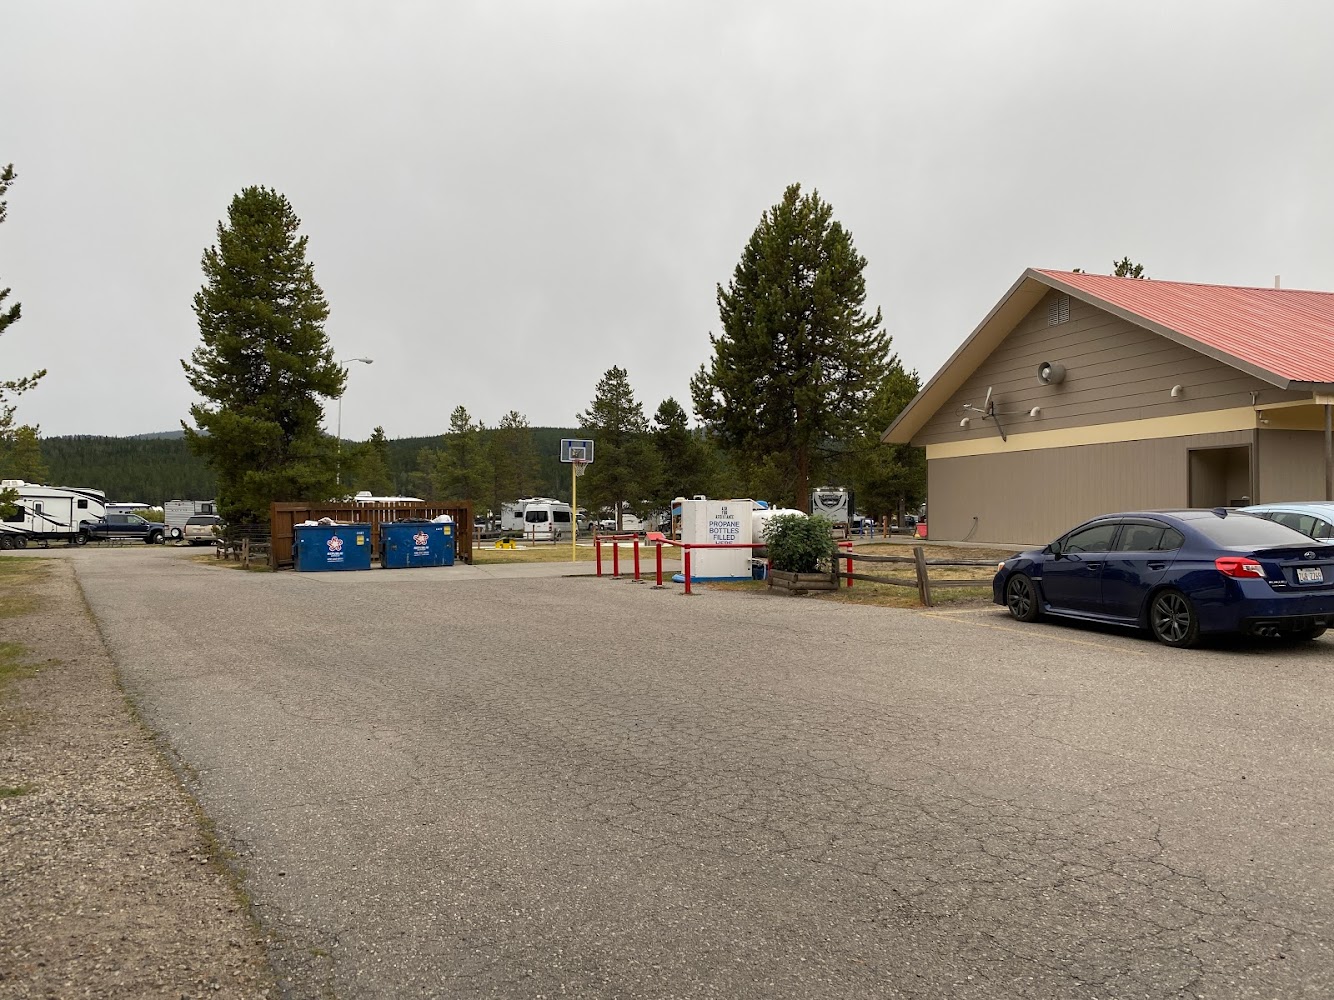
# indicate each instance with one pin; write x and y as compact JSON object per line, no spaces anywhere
{"x":921,"y":571}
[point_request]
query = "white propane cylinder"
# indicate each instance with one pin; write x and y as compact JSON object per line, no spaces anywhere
{"x":759,"y":521}
{"x":713,"y":522}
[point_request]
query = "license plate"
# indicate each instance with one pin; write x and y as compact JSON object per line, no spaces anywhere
{"x":1310,"y":574}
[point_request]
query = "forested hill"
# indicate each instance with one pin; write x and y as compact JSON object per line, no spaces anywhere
{"x":151,"y":468}
{"x":142,"y":469}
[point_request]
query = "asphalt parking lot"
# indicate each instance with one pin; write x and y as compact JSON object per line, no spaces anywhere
{"x":454,"y":784}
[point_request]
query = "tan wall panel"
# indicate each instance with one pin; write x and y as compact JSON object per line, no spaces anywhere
{"x":1033,"y":496}
{"x":1292,"y":465}
{"x":1115,"y":371}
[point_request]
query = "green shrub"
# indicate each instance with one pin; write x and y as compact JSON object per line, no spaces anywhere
{"x":800,"y":544}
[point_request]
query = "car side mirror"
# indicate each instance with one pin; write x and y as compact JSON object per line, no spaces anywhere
{"x":1054,"y":549}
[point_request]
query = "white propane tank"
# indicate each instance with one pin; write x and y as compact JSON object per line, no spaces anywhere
{"x":760,"y":520}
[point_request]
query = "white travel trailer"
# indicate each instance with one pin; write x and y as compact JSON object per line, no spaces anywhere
{"x":512,"y":514}
{"x":176,"y":512}
{"x":55,"y":513}
{"x":835,"y":503}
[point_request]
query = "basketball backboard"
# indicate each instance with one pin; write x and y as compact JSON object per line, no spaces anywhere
{"x":576,"y":450}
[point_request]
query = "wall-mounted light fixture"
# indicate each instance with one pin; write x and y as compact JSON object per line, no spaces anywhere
{"x":1051,"y":373}
{"x":1035,"y":412}
{"x":1178,"y":391}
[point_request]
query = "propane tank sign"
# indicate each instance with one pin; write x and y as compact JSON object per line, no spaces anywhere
{"x":717,"y":522}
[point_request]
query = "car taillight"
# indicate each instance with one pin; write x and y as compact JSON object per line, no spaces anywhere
{"x":1239,"y":566}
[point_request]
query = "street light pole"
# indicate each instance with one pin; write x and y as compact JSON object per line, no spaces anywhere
{"x":338,"y":434}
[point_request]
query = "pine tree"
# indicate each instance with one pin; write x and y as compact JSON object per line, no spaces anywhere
{"x":21,"y":456}
{"x":626,"y":469}
{"x":689,"y":465}
{"x":264,"y":362}
{"x":10,"y":388}
{"x":513,"y":455}
{"x":799,"y":358}
{"x":883,"y":476}
{"x":463,"y":471}
{"x":372,"y":466}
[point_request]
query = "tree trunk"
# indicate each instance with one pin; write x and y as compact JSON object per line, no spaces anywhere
{"x":803,"y":486}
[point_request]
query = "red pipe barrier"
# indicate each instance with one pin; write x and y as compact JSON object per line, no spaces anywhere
{"x":658,"y":585}
{"x":687,"y":569}
{"x":636,"y":558}
{"x":615,"y":558}
{"x":597,"y":548}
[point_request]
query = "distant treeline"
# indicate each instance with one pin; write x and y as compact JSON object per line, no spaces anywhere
{"x":148,"y":469}
{"x":139,"y":469}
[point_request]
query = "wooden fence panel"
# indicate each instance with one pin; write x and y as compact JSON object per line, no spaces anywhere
{"x":283,"y":518}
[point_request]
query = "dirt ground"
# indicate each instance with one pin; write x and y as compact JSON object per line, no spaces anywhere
{"x":110,"y":882}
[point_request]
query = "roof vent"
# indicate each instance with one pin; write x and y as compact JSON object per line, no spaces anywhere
{"x":1058,"y":310}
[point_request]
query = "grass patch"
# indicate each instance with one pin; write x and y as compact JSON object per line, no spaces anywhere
{"x":14,"y":791}
{"x":486,"y":554}
{"x":15,"y":577}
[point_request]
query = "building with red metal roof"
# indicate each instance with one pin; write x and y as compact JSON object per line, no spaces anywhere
{"x":1081,"y":393}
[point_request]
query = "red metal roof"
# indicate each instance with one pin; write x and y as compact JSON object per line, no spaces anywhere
{"x":1287,"y":332}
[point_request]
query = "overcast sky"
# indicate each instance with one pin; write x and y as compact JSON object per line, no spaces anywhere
{"x":505,"y":199}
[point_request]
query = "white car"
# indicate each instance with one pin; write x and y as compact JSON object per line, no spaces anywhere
{"x":202,"y":529}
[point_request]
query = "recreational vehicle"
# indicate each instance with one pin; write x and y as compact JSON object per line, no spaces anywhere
{"x":176,"y":512}
{"x":55,"y":513}
{"x":537,"y":518}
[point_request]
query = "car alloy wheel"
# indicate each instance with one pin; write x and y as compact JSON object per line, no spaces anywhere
{"x":1021,"y":598}
{"x":1173,"y":620}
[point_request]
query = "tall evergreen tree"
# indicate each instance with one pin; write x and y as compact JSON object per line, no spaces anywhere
{"x":10,"y":388}
{"x":513,"y":454}
{"x":264,"y":362}
{"x":799,"y":358}
{"x":689,"y":465}
{"x":463,"y":471}
{"x":883,"y":476}
{"x":372,"y":466}
{"x":21,"y":456}
{"x":626,"y":469}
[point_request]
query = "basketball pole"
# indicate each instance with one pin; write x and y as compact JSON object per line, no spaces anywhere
{"x":574,"y":512}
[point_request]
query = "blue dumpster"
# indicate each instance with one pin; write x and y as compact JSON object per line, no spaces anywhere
{"x":404,"y":544}
{"x":320,"y":547}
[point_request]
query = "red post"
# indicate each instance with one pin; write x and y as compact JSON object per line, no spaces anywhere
{"x":686,"y":569}
{"x":615,"y":558}
{"x":849,"y":569}
{"x":658,"y":546}
{"x":597,"y":549}
{"x":636,"y":558}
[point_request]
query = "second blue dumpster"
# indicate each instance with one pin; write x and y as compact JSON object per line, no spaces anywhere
{"x":404,"y":544}
{"x":320,"y":547}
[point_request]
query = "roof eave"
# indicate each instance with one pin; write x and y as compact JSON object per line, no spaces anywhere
{"x":996,"y":326}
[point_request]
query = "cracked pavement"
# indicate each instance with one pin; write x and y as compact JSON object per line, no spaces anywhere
{"x":443,"y":784}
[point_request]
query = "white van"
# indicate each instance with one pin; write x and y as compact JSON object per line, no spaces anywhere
{"x":547,"y":521}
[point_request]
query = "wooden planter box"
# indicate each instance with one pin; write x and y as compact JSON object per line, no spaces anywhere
{"x":800,"y":582}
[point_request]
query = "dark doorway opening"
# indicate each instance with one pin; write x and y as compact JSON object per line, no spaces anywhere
{"x":1220,"y":477}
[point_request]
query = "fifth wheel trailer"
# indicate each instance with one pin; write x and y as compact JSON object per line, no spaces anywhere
{"x":55,"y":513}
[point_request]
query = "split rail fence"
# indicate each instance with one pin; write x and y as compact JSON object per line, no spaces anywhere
{"x":921,"y":578}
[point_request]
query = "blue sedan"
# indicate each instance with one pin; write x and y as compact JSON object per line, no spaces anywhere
{"x":1179,"y":574}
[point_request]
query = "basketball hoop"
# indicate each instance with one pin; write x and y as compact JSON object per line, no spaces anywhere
{"x":579,"y":466}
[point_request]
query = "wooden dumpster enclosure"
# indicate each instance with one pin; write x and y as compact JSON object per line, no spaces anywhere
{"x":283,"y":517}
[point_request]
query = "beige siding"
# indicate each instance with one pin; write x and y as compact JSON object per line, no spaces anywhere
{"x":1033,"y":496}
{"x":1115,"y":371}
{"x":1292,"y":465}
